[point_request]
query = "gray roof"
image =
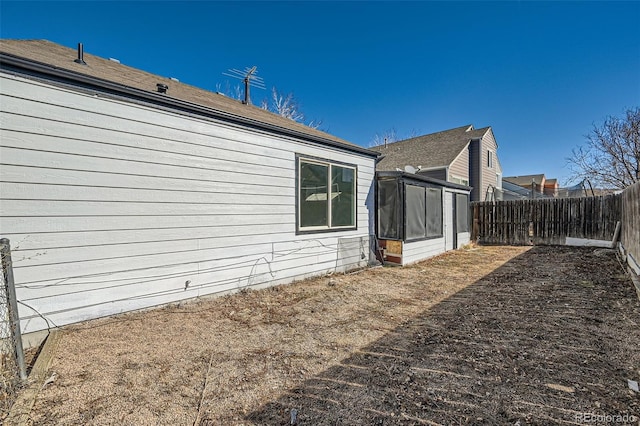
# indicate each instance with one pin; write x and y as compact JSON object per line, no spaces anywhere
{"x":515,"y":189}
{"x":57,"y":57}
{"x":428,"y":151}
{"x":420,"y":178}
{"x":525,"y":180}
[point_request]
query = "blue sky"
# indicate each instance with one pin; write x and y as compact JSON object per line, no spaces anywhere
{"x":539,"y":73}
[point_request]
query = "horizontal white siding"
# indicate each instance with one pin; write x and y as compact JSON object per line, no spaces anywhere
{"x":112,"y":206}
{"x":463,"y":238}
{"x":420,"y":250}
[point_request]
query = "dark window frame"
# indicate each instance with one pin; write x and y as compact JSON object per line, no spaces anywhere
{"x":300,"y":158}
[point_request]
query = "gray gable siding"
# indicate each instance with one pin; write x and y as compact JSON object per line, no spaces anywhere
{"x":489,"y":174}
{"x":435,"y":173}
{"x":460,"y":166}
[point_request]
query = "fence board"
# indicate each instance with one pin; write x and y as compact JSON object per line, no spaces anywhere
{"x":548,"y":221}
{"x":630,"y":206}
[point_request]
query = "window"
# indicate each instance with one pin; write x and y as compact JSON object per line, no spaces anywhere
{"x":460,"y":181}
{"x":416,"y":212}
{"x":489,"y":159}
{"x":423,"y":216}
{"x":434,"y":212}
{"x":462,"y":213}
{"x":389,"y":210}
{"x":326,"y":195}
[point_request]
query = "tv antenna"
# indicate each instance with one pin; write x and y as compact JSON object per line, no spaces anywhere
{"x":250,"y":78}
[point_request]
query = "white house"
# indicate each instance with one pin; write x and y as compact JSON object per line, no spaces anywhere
{"x":122,"y":190}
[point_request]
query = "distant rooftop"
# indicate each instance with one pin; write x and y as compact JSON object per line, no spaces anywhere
{"x":525,"y":180}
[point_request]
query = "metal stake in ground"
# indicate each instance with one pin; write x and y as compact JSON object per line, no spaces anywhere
{"x":7,"y":270}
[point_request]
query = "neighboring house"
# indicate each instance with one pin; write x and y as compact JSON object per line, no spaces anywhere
{"x":551,"y":187}
{"x":511,"y":191}
{"x":122,"y":190}
{"x":419,"y":217}
{"x":464,"y":155}
{"x":538,"y":186}
{"x":526,"y":180}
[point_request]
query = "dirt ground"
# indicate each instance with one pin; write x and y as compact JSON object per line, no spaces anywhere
{"x":488,"y":335}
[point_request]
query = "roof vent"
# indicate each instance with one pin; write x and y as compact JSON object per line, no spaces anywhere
{"x":117,"y":61}
{"x":174,"y":79}
{"x":80,"y":59}
{"x":162,"y":88}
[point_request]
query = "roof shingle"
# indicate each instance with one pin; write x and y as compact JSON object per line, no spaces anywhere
{"x":428,"y":151}
{"x":525,"y":180}
{"x":61,"y":57}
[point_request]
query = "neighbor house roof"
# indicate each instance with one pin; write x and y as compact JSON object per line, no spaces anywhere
{"x":416,"y":177}
{"x":525,"y":180}
{"x":515,"y":189}
{"x":428,"y":151}
{"x":61,"y":60}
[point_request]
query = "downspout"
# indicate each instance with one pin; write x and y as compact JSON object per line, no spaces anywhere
{"x":376,"y":245}
{"x":479,"y":165}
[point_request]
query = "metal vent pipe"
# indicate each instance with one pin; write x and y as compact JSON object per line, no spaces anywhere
{"x":80,"y":59}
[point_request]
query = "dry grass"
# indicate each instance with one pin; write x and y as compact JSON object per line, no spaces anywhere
{"x":251,"y":357}
{"x":9,"y":382}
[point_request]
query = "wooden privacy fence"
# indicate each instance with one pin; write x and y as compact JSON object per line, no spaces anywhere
{"x":631,"y":223}
{"x":546,"y":221}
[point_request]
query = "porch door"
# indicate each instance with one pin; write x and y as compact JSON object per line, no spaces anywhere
{"x":450,"y":234}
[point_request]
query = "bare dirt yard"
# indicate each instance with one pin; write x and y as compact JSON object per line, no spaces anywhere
{"x":488,"y":335}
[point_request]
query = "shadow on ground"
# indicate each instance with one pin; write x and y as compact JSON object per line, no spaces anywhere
{"x":549,"y":338}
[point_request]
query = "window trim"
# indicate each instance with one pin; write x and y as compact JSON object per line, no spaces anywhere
{"x":490,"y":161}
{"x":458,"y":209}
{"x":404,"y":218}
{"x":330,"y":163}
{"x":398,"y":209}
